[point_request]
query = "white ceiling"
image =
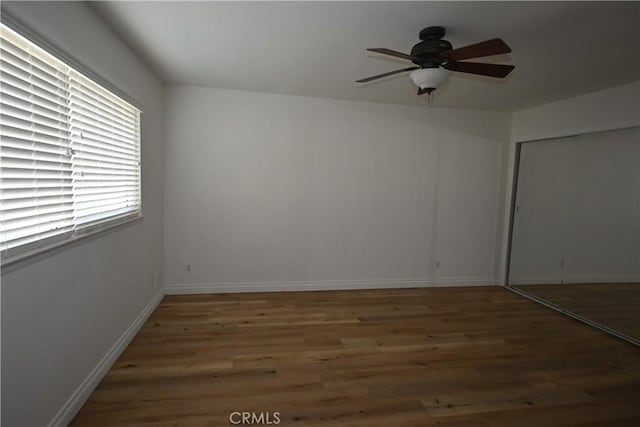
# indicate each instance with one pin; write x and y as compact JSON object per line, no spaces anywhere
{"x":560,"y":49}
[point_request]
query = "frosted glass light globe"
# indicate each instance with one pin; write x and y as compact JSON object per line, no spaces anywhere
{"x":429,"y":78}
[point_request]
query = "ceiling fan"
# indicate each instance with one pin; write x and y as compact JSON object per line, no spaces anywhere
{"x":435,"y":58}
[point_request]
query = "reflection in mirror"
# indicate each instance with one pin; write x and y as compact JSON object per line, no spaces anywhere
{"x":576,"y":226}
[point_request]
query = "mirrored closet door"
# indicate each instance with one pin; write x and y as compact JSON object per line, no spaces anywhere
{"x":575,"y":241}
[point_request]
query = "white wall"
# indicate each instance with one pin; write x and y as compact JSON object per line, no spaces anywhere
{"x":609,"y":109}
{"x":280,"y":192}
{"x":614,"y":108}
{"x":61,"y":314}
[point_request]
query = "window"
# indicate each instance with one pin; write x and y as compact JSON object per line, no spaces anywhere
{"x":69,"y":151}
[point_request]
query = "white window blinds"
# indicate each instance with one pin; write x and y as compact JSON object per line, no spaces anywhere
{"x":69,"y":150}
{"x":105,"y":148}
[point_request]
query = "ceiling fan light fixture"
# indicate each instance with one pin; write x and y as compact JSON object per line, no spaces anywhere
{"x":429,"y":78}
{"x":434,"y":58}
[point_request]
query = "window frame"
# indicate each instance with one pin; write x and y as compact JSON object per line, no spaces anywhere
{"x":34,"y":251}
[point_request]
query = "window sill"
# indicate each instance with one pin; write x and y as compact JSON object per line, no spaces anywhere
{"x":39,"y":254}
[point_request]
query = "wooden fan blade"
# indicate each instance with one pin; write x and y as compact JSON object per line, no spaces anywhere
{"x":491,"y":70}
{"x":478,"y":50}
{"x":390,"y":73}
{"x":393,"y":53}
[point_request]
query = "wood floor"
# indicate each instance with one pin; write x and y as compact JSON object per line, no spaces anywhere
{"x":393,"y":358}
{"x":616,"y":305}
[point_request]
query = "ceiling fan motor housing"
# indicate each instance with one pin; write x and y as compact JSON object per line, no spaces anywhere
{"x":433,"y":32}
{"x":430,"y":48}
{"x":428,"y":51}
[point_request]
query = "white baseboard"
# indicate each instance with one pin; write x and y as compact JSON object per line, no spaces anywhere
{"x":532,"y":281}
{"x":82,"y":393}
{"x":217,"y":288}
{"x":601,"y":279}
{"x":576,"y":280}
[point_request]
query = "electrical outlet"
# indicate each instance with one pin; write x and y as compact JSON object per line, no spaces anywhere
{"x":188,"y":268}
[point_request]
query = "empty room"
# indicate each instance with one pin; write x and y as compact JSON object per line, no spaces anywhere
{"x":369,"y":213}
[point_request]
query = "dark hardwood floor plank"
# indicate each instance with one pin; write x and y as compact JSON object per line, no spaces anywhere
{"x":479,"y":356}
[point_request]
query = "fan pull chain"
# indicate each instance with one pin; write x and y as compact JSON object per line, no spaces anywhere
{"x":430,"y":99}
